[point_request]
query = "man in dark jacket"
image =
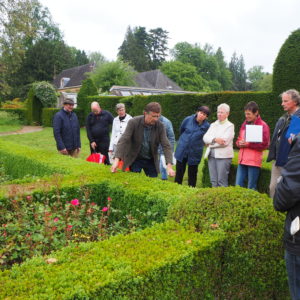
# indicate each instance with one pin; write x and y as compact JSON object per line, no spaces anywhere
{"x":287,"y":199}
{"x":138,"y":146}
{"x":98,"y":125}
{"x":190,"y":145}
{"x":66,"y":130}
{"x":280,"y":147}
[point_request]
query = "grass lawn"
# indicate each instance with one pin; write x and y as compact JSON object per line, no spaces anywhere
{"x":8,"y":128}
{"x":44,"y":139}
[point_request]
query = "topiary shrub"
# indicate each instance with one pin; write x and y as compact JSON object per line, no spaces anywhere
{"x":41,"y":94}
{"x":252,"y":259}
{"x":286,"y":67}
{"x":88,"y":88}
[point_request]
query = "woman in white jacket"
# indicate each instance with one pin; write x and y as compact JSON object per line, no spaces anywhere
{"x":219,"y":139}
{"x":118,"y":128}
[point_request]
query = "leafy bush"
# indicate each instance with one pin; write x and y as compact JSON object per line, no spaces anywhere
{"x":88,"y":88}
{"x":45,"y":92}
{"x":286,"y":67}
{"x":20,"y":112}
{"x":177,"y":107}
{"x":15,"y":103}
{"x":8,"y":118}
{"x":252,"y":264}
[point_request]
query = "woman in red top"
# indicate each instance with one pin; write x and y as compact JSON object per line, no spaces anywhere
{"x":250,"y":154}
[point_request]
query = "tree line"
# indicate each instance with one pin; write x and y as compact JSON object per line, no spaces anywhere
{"x":32,"y":48}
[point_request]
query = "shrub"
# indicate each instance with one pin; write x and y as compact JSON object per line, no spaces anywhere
{"x":177,"y":107}
{"x":45,"y":92}
{"x":286,"y":67}
{"x":88,"y":88}
{"x":252,"y":264}
{"x":20,"y":112}
{"x":15,"y":103}
{"x":8,"y":118}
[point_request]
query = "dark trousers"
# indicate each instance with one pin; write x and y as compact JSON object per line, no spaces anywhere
{"x":144,"y":164}
{"x":103,"y":149}
{"x":293,"y":270}
{"x":192,"y":173}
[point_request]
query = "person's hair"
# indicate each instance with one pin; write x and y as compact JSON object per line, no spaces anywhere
{"x":120,"y":106}
{"x":95,"y":103}
{"x":225,"y":106}
{"x":153,"y":107}
{"x":252,"y":106}
{"x":294,"y":95}
{"x":204,"y":109}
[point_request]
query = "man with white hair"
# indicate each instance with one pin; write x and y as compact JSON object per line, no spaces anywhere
{"x":98,"y":125}
{"x":280,"y":146}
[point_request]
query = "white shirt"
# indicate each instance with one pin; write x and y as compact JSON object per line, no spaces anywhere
{"x":118,"y":129}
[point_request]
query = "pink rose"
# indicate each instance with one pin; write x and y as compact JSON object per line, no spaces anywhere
{"x":105,"y":208}
{"x":28,"y":197}
{"x":93,"y":203}
{"x":109,"y":199}
{"x":56,"y":219}
{"x":69,"y":227}
{"x":74,"y":202}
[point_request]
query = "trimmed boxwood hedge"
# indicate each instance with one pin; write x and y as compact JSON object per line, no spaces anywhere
{"x":48,"y":114}
{"x":226,"y":245}
{"x":263,"y":181}
{"x":178,"y":106}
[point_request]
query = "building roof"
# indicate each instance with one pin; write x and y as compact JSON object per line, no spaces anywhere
{"x":156,"y":80}
{"x":72,"y":77}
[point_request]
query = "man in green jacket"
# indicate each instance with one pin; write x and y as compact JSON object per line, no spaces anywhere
{"x":138,"y":146}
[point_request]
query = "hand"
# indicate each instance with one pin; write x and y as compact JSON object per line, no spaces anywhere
{"x":170,"y":170}
{"x":114,"y":166}
{"x":93,"y":145}
{"x":243,"y":144}
{"x":78,"y":150}
{"x":220,"y":141}
{"x":64,"y":151}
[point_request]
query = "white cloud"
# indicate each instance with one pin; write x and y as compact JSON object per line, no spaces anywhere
{"x":254,"y":28}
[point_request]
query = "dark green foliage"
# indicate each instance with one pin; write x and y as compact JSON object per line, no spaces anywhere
{"x":286,"y":67}
{"x":88,"y":88}
{"x":239,"y":76}
{"x":48,"y":114}
{"x":178,"y":106}
{"x":34,"y":108}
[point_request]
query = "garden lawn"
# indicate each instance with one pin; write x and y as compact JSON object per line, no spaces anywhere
{"x":9,"y":128}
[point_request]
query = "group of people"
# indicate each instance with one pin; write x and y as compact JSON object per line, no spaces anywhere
{"x":146,"y":143}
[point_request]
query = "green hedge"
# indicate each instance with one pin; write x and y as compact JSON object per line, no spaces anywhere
{"x":252,"y":264}
{"x":286,"y":67}
{"x":177,"y":107}
{"x":263,"y":180}
{"x":48,"y":114}
{"x":34,"y":109}
{"x":20,"y":112}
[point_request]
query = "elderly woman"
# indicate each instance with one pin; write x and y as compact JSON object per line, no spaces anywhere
{"x":251,"y":154}
{"x":219,"y":139}
{"x":190,"y":145}
{"x":119,"y":126}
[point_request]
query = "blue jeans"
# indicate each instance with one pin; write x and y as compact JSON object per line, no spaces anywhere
{"x":293,"y":269}
{"x":144,"y":164}
{"x":247,"y":172}
{"x":162,"y":169}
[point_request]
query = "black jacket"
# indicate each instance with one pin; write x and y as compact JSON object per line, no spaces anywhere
{"x":66,"y":130}
{"x":280,"y":127}
{"x":98,"y":126}
{"x":287,"y":196}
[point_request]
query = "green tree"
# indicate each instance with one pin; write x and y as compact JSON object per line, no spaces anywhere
{"x":286,"y":73}
{"x":97,"y":58}
{"x":266,"y":83}
{"x":134,"y":49}
{"x":158,"y":40}
{"x":224,"y":75}
{"x":255,"y":76}
{"x":79,"y":57}
{"x":88,"y":88}
{"x":185,"y":75}
{"x":22,"y":23}
{"x":113,"y":73}
{"x":239,"y":76}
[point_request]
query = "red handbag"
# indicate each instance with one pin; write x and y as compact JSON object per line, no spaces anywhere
{"x":97,"y":158}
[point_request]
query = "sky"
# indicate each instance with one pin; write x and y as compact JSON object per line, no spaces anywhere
{"x":254,"y":28}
